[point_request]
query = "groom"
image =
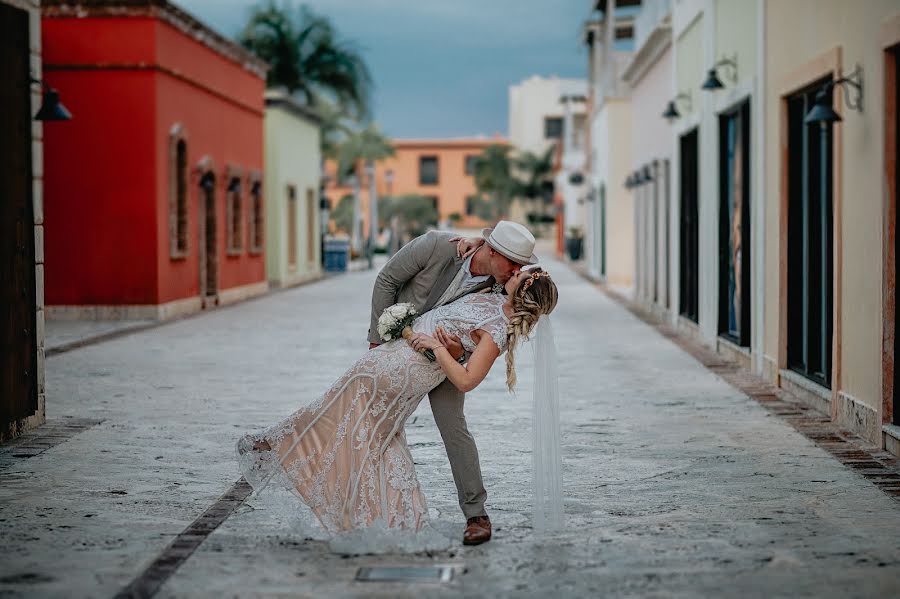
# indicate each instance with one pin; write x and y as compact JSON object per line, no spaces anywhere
{"x":428,"y":272}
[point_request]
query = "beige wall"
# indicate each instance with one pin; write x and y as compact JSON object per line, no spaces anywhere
{"x":689,"y":65}
{"x":798,"y":32}
{"x":613,"y":124}
{"x":292,"y":158}
{"x":735,"y":34}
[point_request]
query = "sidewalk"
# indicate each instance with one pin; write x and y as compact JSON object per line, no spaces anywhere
{"x":677,"y":485}
{"x":66,"y":335}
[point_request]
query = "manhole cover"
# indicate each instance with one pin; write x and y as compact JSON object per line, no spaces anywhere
{"x":405,"y":574}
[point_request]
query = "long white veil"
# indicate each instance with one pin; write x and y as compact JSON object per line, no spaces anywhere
{"x":546,"y":453}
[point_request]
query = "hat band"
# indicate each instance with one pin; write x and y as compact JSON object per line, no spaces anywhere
{"x":500,"y":246}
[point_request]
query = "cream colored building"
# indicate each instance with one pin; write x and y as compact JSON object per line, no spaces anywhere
{"x":292,"y":172}
{"x":649,"y":74}
{"x":546,"y":111}
{"x":782,"y":248}
{"x":717,"y":205}
{"x":608,"y":207}
{"x":832,"y":338}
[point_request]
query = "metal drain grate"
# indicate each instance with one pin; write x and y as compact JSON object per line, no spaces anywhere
{"x":405,"y":574}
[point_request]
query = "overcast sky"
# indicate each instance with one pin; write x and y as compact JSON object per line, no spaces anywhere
{"x":442,"y":68}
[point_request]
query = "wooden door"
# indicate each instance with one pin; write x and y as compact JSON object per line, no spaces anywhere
{"x":18,"y":341}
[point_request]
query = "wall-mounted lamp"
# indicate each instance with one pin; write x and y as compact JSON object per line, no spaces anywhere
{"x":208,"y":181}
{"x":671,"y":112}
{"x":256,"y":188}
{"x":822,"y":112}
{"x":234,"y":186}
{"x":633,"y":180}
{"x":646,"y":177}
{"x":51,"y":108}
{"x":712,"y":79}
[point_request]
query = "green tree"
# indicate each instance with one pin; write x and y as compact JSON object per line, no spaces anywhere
{"x":494,"y":178}
{"x":343,"y":214}
{"x":307,"y":57}
{"x":368,"y":146}
{"x":415,"y":213}
{"x":534,"y":175}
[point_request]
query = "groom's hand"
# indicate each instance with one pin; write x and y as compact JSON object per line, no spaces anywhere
{"x":451,"y":342}
{"x":466,"y":246}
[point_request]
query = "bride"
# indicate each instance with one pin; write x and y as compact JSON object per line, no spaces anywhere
{"x":345,"y":454}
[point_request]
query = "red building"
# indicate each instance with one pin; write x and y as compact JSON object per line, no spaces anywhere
{"x":153,"y":200}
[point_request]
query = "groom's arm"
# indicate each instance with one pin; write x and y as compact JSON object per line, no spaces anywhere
{"x":403,"y":266}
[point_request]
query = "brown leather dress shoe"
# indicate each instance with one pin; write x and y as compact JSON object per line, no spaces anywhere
{"x":478,"y":530}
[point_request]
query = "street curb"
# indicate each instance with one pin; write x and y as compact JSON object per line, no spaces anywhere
{"x":873,"y":463}
{"x":95,"y":339}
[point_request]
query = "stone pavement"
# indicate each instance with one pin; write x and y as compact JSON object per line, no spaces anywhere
{"x":677,"y":485}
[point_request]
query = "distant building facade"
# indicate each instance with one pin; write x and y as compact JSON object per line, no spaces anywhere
{"x":442,"y":170}
{"x":607,"y":212}
{"x":552,"y":112}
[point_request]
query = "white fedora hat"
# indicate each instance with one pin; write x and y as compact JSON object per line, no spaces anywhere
{"x":511,"y":240}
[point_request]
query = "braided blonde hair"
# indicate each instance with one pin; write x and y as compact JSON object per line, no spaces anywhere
{"x":535,"y":295}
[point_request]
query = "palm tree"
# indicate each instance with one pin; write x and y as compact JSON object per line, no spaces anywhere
{"x":307,"y":57}
{"x":535,"y":174}
{"x":367,"y":146}
{"x":494,"y":177}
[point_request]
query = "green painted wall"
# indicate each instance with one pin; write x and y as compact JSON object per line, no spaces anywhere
{"x":292,"y":158}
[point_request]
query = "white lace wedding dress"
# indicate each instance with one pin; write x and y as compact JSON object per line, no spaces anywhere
{"x":345,"y":454}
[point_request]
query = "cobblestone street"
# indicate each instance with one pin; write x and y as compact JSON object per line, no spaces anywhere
{"x":677,"y":484}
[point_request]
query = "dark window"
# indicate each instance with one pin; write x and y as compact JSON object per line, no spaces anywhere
{"x":471,"y":160}
{"x":310,"y":224}
{"x":428,"y":170}
{"x":809,"y":242}
{"x":689,"y":248}
{"x":292,"y":217}
{"x":235,"y":242}
{"x":665,"y":192}
{"x":255,"y":228}
{"x":602,"y":195}
{"x":553,"y":127}
{"x":181,"y":202}
{"x":734,"y":225}
{"x":624,"y":33}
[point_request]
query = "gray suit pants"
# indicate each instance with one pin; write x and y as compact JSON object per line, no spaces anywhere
{"x":447,"y":406}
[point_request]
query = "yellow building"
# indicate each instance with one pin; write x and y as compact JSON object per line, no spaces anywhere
{"x":292,"y":173}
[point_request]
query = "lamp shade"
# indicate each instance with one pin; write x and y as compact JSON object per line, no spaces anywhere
{"x":712,"y":81}
{"x":671,"y":112}
{"x":822,"y":112}
{"x":52,"y":109}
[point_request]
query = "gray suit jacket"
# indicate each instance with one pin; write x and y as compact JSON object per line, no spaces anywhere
{"x":419,"y":274}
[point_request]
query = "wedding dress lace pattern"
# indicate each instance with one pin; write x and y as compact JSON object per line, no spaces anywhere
{"x":345,"y":454}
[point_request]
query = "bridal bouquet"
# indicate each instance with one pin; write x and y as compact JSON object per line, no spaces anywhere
{"x":396,"y":322}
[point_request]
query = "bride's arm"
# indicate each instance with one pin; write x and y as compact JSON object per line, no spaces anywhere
{"x":467,"y":377}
